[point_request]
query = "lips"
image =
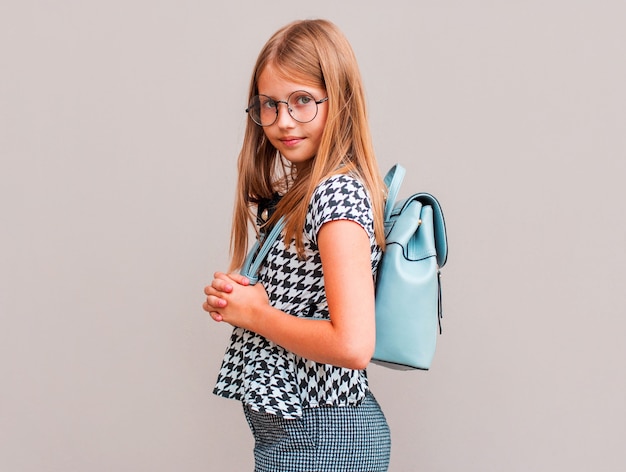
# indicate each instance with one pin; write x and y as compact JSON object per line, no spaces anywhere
{"x":291,"y":141}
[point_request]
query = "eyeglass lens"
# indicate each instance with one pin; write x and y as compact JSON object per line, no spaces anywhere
{"x":301,"y":106}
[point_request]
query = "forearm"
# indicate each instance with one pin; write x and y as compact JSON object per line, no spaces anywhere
{"x":315,"y":339}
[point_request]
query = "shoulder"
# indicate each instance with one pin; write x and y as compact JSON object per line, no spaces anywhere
{"x":339,"y":197}
{"x":338,"y":188}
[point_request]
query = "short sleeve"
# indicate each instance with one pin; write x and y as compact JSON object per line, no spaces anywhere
{"x":340,"y":197}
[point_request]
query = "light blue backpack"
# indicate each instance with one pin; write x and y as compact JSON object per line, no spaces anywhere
{"x":408,"y":283}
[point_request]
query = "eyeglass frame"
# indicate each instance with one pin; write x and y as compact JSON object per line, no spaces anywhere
{"x":289,"y":110}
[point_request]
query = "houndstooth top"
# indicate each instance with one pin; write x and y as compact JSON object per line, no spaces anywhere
{"x":262,"y":374}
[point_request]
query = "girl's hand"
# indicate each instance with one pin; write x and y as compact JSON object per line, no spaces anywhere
{"x":231,"y":298}
{"x":221,"y":284}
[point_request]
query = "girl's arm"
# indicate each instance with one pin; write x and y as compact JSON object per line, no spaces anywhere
{"x":347,"y":340}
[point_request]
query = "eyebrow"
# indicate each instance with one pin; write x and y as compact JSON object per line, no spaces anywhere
{"x":288,"y":95}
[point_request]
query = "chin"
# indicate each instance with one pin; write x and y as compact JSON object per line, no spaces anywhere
{"x":296,"y":161}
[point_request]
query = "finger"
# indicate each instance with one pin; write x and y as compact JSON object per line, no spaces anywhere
{"x":209,"y":290}
{"x":213,"y":302}
{"x":216,"y":316}
{"x":233,"y":276}
{"x":240,"y":279}
{"x":218,"y":286}
{"x":223,"y":284}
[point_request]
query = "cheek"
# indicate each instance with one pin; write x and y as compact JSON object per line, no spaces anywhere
{"x":320,"y":129}
{"x":269,"y":136}
{"x":321,"y":123}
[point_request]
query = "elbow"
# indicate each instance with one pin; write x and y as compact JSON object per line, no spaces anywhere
{"x":358,"y":357}
{"x":360,"y":363}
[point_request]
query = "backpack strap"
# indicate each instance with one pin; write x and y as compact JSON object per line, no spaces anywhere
{"x":393,"y":181}
{"x":258,"y":253}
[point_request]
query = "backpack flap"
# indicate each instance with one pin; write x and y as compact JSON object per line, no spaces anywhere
{"x":393,"y":181}
{"x":425,"y":200}
{"x":404,"y":231}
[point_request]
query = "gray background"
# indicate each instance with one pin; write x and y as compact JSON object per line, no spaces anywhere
{"x":120,"y":123}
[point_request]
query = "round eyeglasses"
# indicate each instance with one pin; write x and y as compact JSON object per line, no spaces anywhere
{"x":301,"y":105}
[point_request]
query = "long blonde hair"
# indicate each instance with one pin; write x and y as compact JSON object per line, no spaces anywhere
{"x":318,"y":54}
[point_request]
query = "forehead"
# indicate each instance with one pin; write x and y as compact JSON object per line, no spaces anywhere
{"x":277,"y":82}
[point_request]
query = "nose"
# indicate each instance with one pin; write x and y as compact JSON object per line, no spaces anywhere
{"x":284,"y":119}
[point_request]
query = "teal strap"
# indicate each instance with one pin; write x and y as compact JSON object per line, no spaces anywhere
{"x":393,"y":181}
{"x":256,"y":256}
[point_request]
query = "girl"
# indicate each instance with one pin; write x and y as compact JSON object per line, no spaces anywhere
{"x":305,"y":333}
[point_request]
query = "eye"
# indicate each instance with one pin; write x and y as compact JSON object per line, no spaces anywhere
{"x":267,"y":103}
{"x":303,"y":99}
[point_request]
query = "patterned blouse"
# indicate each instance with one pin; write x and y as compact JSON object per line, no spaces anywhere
{"x":262,"y":374}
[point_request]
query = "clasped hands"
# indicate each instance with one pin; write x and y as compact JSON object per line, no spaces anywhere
{"x":232,"y":299}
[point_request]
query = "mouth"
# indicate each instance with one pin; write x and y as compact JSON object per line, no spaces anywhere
{"x":291,"y":141}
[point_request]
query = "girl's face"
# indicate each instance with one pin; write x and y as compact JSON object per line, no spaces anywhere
{"x":297,"y":142}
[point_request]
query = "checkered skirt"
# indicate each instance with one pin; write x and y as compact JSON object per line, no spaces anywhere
{"x":324,"y":439}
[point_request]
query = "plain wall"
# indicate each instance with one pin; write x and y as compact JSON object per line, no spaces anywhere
{"x":120,"y":124}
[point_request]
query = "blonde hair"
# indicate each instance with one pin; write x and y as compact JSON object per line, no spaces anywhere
{"x":318,"y":54}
